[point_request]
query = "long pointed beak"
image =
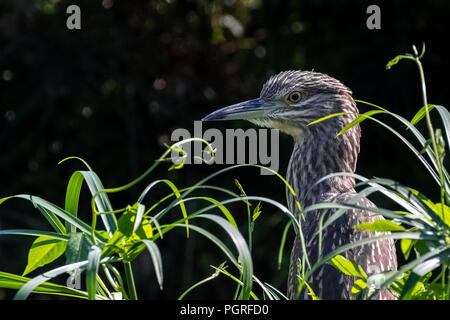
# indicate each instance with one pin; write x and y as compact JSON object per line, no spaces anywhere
{"x":251,"y":109}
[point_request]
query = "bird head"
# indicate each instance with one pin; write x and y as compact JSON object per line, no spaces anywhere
{"x":289,"y":101}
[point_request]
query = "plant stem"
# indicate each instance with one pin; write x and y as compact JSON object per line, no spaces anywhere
{"x":444,"y":268}
{"x":104,"y":288}
{"x":430,"y":129}
{"x":427,"y":112}
{"x":214,"y":275}
{"x":448,"y":286}
{"x":130,"y":281}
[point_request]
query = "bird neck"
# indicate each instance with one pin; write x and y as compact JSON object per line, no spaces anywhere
{"x":320,"y":152}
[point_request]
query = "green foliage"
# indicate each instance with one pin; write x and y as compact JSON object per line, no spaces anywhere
{"x":126,"y":234}
{"x":423,"y":226}
{"x":348,"y":267}
{"x":353,"y":269}
{"x":12,"y":281}
{"x":380,"y":226}
{"x":421,"y":114}
{"x":43,"y":251}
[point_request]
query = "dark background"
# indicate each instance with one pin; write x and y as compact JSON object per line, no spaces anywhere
{"x":113,"y":92}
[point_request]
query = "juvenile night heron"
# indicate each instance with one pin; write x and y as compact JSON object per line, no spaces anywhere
{"x":289,"y":101}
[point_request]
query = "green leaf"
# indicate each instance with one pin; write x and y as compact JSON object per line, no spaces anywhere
{"x":411,"y":287}
{"x":145,"y":230}
{"x":438,"y":214}
{"x":421,"y":248}
{"x":359,"y":119}
{"x":328,"y":117}
{"x":157,"y":261}
{"x":406,"y":246}
{"x":50,"y":207}
{"x":72,"y":197}
{"x":348,"y":267}
{"x":399,"y":286}
{"x":380,"y":226}
{"x":302,"y":283}
{"x":442,"y":211}
{"x":101,"y":200}
{"x":394,"y":275}
{"x":359,"y":286}
{"x":139,"y":214}
{"x":432,"y":291}
{"x":45,"y":208}
{"x":420,"y":114}
{"x":43,"y":251}
{"x":91,"y":271}
{"x":126,"y":221}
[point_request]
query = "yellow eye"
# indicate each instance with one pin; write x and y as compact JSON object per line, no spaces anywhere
{"x":294,"y":97}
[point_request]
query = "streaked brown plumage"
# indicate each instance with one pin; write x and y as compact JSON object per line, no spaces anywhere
{"x":289,"y":101}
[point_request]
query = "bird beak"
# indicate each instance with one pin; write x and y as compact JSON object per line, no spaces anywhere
{"x":247,"y":110}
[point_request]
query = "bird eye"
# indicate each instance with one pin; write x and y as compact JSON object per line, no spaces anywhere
{"x":294,"y":96}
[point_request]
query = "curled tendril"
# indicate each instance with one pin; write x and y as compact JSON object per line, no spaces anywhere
{"x":180,"y":156}
{"x":410,"y":56}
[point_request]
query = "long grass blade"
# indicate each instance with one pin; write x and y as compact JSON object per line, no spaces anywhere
{"x":421,"y":140}
{"x":56,"y":210}
{"x":157,"y":260}
{"x":421,"y":114}
{"x":282,"y":243}
{"x":139,"y":215}
{"x":72,"y":197}
{"x":30,"y":286}
{"x":51,"y":218}
{"x":359,"y":119}
{"x":93,"y":262}
{"x":35,"y":233}
{"x":12,"y":281}
{"x":101,"y":200}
